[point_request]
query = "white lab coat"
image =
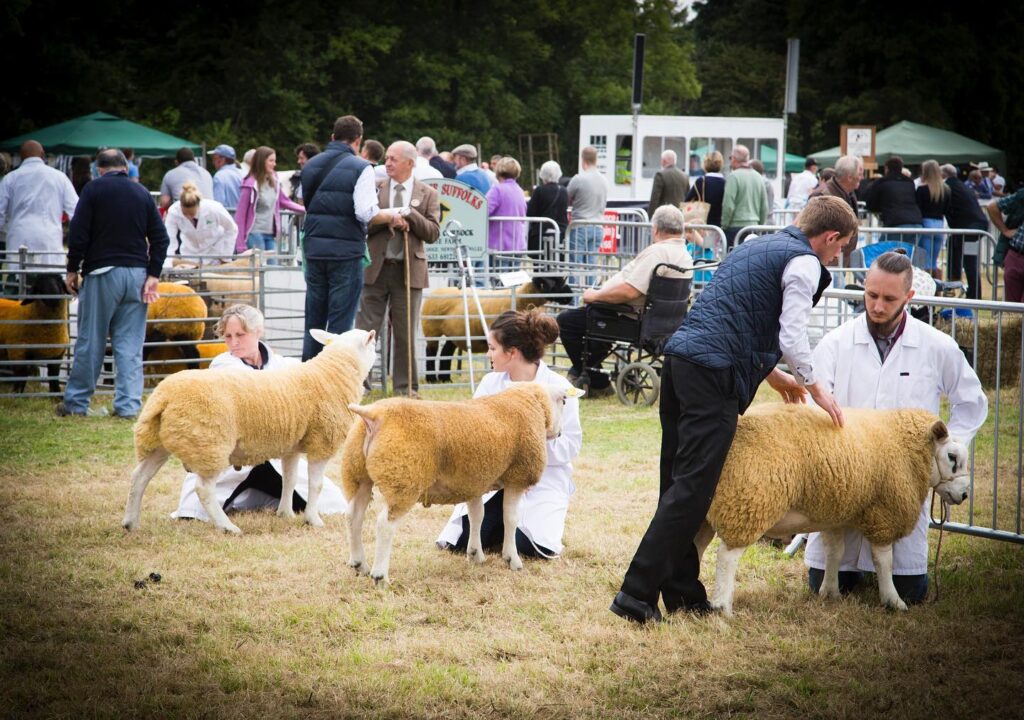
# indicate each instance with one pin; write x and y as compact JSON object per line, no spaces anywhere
{"x":32,"y":200}
{"x":213,"y":234}
{"x":331,"y":500}
{"x":924,"y":365}
{"x":543,"y":507}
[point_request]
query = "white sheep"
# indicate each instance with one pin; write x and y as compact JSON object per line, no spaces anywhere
{"x":790,"y":471}
{"x":215,"y":419}
{"x":417,"y":451}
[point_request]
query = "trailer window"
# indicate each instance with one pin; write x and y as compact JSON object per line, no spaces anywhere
{"x":654,"y":146}
{"x":623,"y":160}
{"x":702,"y":146}
{"x":766,"y":150}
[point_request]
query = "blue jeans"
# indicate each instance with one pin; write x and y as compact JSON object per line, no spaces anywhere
{"x":262,"y":241}
{"x":932,"y":243}
{"x":584,"y":243}
{"x":109,"y":303}
{"x":333,"y":288}
{"x":911,"y":588}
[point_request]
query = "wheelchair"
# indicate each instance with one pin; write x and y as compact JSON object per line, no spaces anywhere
{"x":637,"y":337}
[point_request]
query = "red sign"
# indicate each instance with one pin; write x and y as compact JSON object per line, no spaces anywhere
{"x":610,"y":239}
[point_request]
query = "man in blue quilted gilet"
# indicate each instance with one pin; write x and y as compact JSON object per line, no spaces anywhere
{"x":753,"y":313}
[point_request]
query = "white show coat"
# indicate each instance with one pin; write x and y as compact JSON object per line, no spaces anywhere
{"x":331,"y":500}
{"x":213,"y":234}
{"x":922,"y":366}
{"x":32,"y":200}
{"x":543,"y":507}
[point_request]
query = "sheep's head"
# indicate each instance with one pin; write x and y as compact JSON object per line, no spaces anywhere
{"x":550,"y":288}
{"x":557,"y":398}
{"x":48,"y":284}
{"x":360,"y":343}
{"x":951,"y":475}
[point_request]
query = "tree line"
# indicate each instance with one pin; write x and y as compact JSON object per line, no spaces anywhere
{"x":278,"y":73}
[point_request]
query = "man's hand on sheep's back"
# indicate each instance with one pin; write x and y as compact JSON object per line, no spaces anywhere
{"x":827,"y":402}
{"x":787,"y":386}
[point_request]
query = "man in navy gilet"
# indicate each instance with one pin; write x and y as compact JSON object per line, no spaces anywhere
{"x":753,"y":313}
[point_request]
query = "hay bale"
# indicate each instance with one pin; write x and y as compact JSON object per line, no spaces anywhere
{"x":985,"y":365}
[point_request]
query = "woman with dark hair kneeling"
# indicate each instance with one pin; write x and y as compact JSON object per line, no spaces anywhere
{"x":515,"y":344}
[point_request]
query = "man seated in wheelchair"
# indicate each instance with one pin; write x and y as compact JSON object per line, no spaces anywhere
{"x":627,"y":287}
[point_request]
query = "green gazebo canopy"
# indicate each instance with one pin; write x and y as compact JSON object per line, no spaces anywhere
{"x":916,"y":143}
{"x":89,"y":133}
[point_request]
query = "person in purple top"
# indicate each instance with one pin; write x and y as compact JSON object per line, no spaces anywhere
{"x":505,"y":199}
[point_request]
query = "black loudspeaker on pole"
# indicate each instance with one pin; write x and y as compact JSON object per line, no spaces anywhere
{"x":639,"y":40}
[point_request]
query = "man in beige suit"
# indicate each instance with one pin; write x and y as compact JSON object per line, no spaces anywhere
{"x":416,"y":214}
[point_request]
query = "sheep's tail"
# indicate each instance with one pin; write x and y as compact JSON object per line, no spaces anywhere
{"x":147,"y":428}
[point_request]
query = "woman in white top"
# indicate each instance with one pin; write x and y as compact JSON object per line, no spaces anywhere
{"x":199,"y":227}
{"x":515,"y":345}
{"x":253,"y":486}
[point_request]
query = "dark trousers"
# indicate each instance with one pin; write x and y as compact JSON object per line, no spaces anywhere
{"x":492,"y":531}
{"x":957,"y":262}
{"x":333,"y":288}
{"x":572,"y":324}
{"x":699,"y":409}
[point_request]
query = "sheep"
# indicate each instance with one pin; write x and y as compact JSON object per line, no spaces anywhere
{"x":171,"y":359}
{"x":32,"y":323}
{"x":790,"y":471}
{"x":443,"y":317}
{"x":175,"y":301}
{"x":447,"y":452}
{"x":213,"y":419}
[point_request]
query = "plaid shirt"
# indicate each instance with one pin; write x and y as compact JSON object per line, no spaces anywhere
{"x":1010,"y":206}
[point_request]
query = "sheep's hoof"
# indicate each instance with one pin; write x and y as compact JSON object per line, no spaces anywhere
{"x":476,"y":556}
{"x":721,"y":607}
{"x":897,"y":605}
{"x":315,"y":521}
{"x":129,"y":525}
{"x":514,"y":563}
{"x":231,"y":528}
{"x":829,"y":593}
{"x":360,"y":567}
{"x":285,"y":513}
{"x":380,"y":580}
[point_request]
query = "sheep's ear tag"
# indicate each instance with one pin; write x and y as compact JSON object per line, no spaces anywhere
{"x":322,"y":336}
{"x":575,"y":392}
{"x":514,"y":279}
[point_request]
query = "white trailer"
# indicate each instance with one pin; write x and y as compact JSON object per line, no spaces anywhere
{"x":629,"y":149}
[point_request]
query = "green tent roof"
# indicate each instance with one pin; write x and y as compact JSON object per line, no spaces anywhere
{"x":794,"y":163}
{"x":916,"y":143}
{"x":89,"y":133}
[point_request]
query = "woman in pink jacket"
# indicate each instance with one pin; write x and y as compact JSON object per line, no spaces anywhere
{"x":259,"y":205}
{"x":505,"y":199}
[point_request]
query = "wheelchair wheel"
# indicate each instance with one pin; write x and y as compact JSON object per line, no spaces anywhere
{"x":637,"y":384}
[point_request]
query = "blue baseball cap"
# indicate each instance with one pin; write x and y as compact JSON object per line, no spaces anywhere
{"x":225,"y":151}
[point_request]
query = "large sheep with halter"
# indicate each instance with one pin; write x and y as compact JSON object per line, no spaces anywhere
{"x":35,"y":330}
{"x":790,"y":471}
{"x":443,"y":314}
{"x":418,"y":451}
{"x":215,"y":419}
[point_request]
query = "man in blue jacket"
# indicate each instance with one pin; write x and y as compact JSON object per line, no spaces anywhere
{"x":118,"y":242}
{"x":753,"y":313}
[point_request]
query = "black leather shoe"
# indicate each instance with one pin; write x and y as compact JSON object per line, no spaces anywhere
{"x":627,"y":606}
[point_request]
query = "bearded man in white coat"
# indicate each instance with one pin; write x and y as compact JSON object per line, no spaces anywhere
{"x":885,"y":358}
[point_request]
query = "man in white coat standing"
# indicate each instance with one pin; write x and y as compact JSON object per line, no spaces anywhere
{"x":885,"y":358}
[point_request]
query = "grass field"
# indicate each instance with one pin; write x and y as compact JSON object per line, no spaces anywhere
{"x":274,"y":623}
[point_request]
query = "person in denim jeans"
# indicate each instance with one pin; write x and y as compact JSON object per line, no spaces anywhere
{"x":259,"y":204}
{"x":588,"y":195}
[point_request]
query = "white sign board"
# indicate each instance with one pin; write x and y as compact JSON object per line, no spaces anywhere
{"x":468,"y":206}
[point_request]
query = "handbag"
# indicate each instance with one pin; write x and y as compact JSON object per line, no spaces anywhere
{"x":695,"y":212}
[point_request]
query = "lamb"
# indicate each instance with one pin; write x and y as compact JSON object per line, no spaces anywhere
{"x":790,"y":471}
{"x":170,"y":359}
{"x":39,"y":327}
{"x":443,"y":317}
{"x":176,"y":302}
{"x":447,"y":452}
{"x":213,"y":419}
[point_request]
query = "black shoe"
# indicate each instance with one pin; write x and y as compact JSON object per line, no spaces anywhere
{"x":627,"y":606}
{"x":62,"y":410}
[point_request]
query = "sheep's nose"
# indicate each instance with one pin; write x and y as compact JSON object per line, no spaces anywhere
{"x":963,"y":497}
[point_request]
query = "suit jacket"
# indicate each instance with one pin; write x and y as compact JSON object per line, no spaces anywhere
{"x":670,"y":186}
{"x":424,"y":227}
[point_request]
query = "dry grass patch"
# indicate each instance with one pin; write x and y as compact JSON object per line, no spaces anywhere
{"x":274,"y":623}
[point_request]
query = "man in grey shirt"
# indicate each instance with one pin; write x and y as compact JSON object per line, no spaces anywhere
{"x":186,"y":169}
{"x":588,"y":194}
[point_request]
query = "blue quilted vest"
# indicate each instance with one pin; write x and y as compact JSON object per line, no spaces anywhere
{"x":331,"y":229}
{"x":734,"y":322}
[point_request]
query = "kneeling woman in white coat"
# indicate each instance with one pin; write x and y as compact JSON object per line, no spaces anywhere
{"x":515,"y":345}
{"x":253,"y":486}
